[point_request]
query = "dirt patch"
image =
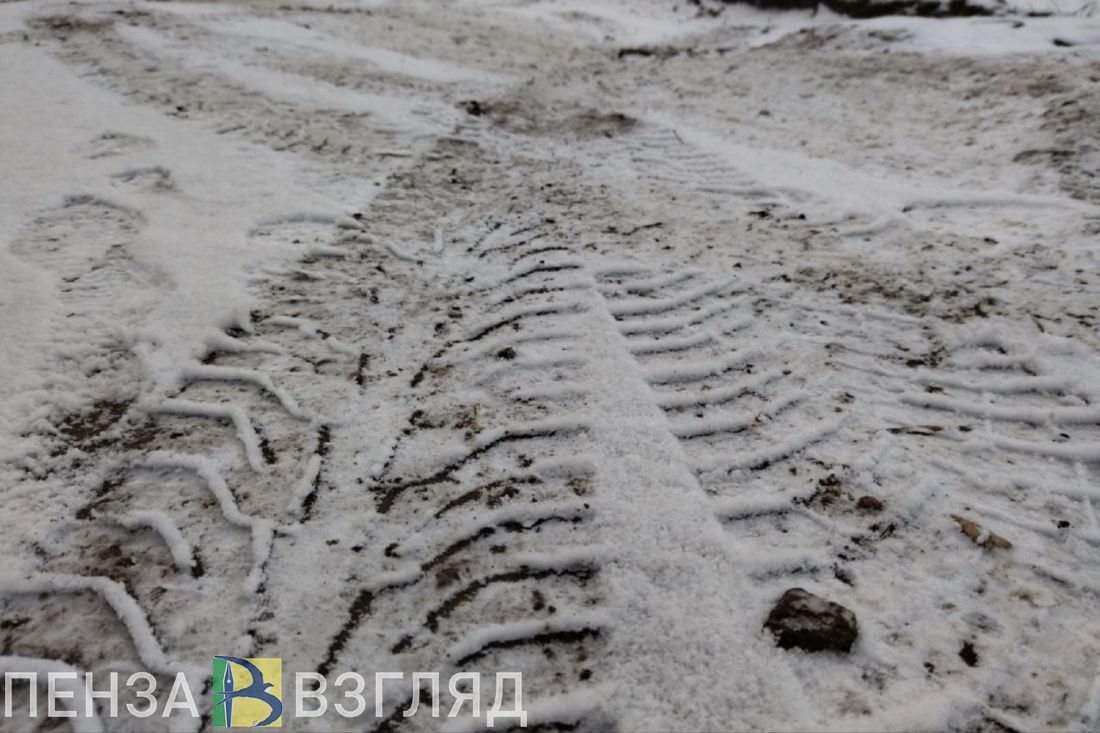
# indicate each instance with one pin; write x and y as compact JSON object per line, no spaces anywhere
{"x":878,"y":8}
{"x":84,"y":427}
{"x":531,"y":118}
{"x":64,"y":24}
{"x":1075,"y":124}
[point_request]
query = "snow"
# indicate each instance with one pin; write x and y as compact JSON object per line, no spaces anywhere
{"x":994,"y":36}
{"x":305,"y":354}
{"x":68,"y":682}
{"x":11,"y":17}
{"x":623,"y":21}
{"x":234,"y":414}
{"x":383,"y":59}
{"x":166,"y":526}
{"x":391,"y":109}
{"x":148,"y":648}
{"x":811,"y":182}
{"x":204,"y":263}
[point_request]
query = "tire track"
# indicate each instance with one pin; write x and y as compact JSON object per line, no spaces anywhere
{"x":552,"y":419}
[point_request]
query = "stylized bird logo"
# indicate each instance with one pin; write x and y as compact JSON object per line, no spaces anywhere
{"x":256,"y":690}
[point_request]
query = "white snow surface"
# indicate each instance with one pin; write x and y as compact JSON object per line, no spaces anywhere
{"x":561,"y":338}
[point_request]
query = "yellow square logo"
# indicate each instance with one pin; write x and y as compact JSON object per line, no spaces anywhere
{"x":248,"y":692}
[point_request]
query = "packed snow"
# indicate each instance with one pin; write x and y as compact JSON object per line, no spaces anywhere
{"x":556,"y":337}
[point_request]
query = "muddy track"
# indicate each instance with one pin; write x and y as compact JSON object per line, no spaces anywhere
{"x":521,"y":411}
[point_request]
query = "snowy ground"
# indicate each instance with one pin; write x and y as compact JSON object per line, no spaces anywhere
{"x":559,"y":337}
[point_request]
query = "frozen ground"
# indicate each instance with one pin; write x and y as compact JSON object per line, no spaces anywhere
{"x":557,"y":337}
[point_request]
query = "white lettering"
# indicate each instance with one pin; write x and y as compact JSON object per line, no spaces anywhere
{"x":53,"y":694}
{"x":110,"y":695}
{"x":188,"y":703}
{"x":473,"y":696}
{"x":356,"y":694}
{"x":496,"y":710}
{"x":301,"y":693}
{"x":418,"y":677}
{"x":146,"y":694}
{"x":32,"y":678}
{"x":378,"y":679}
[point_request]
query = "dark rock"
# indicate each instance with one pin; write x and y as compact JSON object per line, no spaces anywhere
{"x":506,"y":353}
{"x":968,"y":654}
{"x":843,"y":575}
{"x":869,"y":503}
{"x":661,"y":52}
{"x":801,"y":619}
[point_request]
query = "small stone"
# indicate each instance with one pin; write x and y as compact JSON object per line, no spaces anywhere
{"x":506,"y":353}
{"x":968,"y":654}
{"x":981,"y":537}
{"x":801,"y":619}
{"x":869,"y":503}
